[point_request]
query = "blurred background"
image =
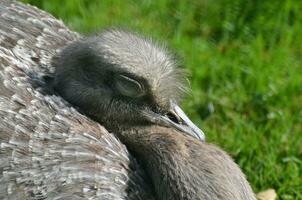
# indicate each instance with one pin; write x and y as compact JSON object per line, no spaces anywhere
{"x":244,"y":58}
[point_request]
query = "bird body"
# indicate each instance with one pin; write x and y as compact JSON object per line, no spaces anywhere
{"x":184,"y":168}
{"x":50,"y":149}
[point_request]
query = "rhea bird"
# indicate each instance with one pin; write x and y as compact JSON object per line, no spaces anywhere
{"x":48,"y":150}
{"x":132,"y":87}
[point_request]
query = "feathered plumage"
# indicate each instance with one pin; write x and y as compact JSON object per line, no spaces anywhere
{"x":48,"y":150}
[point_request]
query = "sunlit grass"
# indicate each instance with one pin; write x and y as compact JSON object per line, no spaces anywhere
{"x":245,"y":60}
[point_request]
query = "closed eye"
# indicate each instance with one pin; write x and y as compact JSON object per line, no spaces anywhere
{"x":128,"y":87}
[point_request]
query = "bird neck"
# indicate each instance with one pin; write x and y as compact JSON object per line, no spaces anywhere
{"x":181,"y":167}
{"x":162,"y":152}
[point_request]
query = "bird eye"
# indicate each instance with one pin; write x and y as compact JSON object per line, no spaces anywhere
{"x":128,"y":86}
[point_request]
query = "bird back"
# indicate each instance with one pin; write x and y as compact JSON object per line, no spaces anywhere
{"x":48,"y":150}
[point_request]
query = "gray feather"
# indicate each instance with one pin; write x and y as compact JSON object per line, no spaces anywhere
{"x":48,"y":150}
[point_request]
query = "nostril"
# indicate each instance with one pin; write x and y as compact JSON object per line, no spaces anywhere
{"x":173,"y":117}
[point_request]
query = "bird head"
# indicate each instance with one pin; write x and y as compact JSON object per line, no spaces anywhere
{"x":122,"y":79}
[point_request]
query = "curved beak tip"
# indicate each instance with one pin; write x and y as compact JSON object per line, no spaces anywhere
{"x":179,"y":121}
{"x":184,"y":124}
{"x":187,"y":124}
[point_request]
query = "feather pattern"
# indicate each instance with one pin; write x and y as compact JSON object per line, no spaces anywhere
{"x":48,"y":150}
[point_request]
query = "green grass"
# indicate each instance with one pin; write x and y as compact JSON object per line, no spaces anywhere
{"x":245,"y":60}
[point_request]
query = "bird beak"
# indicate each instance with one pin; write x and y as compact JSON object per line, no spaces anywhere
{"x":184,"y":123}
{"x":176,"y":118}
